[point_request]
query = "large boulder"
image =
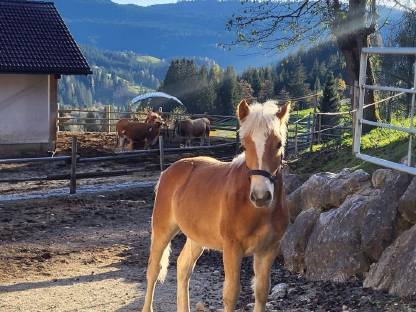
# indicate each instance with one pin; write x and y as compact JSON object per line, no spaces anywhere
{"x":396,"y":269}
{"x":407,"y":203}
{"x":293,"y":243}
{"x":334,"y":250}
{"x":378,"y":229}
{"x":291,"y":182}
{"x":324,"y":191}
{"x":346,"y":240}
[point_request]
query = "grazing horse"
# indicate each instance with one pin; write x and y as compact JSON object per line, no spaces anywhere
{"x":141,"y":134}
{"x":193,"y":128}
{"x":238,"y":208}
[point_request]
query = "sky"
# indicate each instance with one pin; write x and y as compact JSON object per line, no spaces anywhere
{"x":143,"y":2}
{"x":411,"y":3}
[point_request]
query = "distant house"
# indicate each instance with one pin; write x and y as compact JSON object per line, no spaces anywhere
{"x":35,"y":49}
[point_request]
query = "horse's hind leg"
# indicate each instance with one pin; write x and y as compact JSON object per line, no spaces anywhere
{"x":186,"y":263}
{"x":158,"y":260}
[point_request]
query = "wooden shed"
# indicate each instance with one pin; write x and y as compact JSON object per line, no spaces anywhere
{"x":36,"y":48}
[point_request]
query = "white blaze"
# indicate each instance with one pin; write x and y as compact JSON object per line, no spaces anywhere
{"x":259,"y":123}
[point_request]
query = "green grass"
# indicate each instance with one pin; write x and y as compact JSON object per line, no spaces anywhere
{"x":383,"y":143}
{"x":301,"y":113}
{"x":138,"y":89}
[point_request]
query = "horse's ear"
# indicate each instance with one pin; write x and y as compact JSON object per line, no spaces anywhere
{"x":243,"y":109}
{"x":283,"y":113}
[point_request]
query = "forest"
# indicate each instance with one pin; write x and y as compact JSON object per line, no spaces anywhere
{"x":204,"y":86}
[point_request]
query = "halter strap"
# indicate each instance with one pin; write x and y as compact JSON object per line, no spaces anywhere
{"x":266,"y":174}
{"x":263,"y":173}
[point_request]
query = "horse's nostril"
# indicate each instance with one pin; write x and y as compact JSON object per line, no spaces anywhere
{"x":252,"y":197}
{"x":267,"y":196}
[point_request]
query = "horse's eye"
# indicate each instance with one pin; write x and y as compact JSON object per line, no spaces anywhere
{"x":279,"y":145}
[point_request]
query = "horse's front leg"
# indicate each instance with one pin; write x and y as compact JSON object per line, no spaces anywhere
{"x":263,"y":262}
{"x":232,"y":256}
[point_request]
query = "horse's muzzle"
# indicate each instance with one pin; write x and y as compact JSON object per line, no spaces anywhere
{"x":261,"y":200}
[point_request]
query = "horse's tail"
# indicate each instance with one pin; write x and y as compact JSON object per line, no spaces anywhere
{"x":207,"y":129}
{"x":164,"y":263}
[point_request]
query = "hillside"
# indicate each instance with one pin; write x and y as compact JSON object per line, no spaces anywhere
{"x":183,"y":29}
{"x":117,"y":77}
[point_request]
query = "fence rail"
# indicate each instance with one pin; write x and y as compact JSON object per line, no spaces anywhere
{"x":76,"y":159}
{"x":360,"y":120}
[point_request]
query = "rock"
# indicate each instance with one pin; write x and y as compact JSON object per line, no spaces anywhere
{"x":378,"y":229}
{"x":334,"y":247}
{"x":279,"y":291}
{"x":407,"y":203}
{"x":200,"y":307}
{"x":345,"y":241}
{"x":296,"y":237}
{"x":324,"y":191}
{"x":291,"y":182}
{"x":250,"y":306}
{"x":396,"y":269}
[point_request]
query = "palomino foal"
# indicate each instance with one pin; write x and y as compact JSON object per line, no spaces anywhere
{"x":238,"y":208}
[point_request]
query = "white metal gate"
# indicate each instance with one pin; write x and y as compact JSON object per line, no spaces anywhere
{"x":359,"y":120}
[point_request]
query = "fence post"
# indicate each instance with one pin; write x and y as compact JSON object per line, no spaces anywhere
{"x":319,"y":128}
{"x":237,"y":139}
{"x":315,"y":104}
{"x":355,"y":99}
{"x":161,"y":153}
{"x":108,"y":118}
{"x":296,"y":138}
{"x":73,"y":181}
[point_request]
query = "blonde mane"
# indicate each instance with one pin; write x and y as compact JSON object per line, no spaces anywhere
{"x":259,"y":123}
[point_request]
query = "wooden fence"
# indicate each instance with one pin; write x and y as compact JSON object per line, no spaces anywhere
{"x":303,"y":133}
{"x":105,"y":120}
{"x":76,"y":159}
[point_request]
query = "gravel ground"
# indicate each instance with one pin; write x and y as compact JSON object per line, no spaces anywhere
{"x":89,"y":253}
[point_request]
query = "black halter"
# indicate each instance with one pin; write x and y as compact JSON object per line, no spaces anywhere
{"x":266,"y":174}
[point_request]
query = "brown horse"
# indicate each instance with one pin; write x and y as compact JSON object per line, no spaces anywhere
{"x":123,"y":124}
{"x":193,"y":128}
{"x":141,"y":134}
{"x":238,"y":208}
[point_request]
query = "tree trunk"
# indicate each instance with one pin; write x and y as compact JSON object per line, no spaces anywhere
{"x":350,"y":44}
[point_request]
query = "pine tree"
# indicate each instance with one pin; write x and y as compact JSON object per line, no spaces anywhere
{"x":330,"y":104}
{"x":246,"y":91}
{"x":228,"y":92}
{"x":266,"y":91}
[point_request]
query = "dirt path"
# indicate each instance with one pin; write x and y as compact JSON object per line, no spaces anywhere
{"x":89,"y":253}
{"x":80,"y":254}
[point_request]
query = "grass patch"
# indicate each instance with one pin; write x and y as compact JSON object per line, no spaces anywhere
{"x":382,"y":143}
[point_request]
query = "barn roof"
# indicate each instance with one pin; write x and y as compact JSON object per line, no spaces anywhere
{"x":34,"y":39}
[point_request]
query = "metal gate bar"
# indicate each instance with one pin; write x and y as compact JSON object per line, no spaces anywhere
{"x":359,"y":116}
